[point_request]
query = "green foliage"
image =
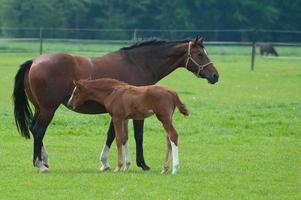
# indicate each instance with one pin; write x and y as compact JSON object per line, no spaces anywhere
{"x":152,"y":14}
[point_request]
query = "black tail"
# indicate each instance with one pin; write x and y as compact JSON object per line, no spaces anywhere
{"x":22,"y":111}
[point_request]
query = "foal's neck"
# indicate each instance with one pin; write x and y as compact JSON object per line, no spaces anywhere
{"x":100,"y":89}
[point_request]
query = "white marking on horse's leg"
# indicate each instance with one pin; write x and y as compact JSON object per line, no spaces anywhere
{"x":175,"y":157}
{"x":127,"y":156}
{"x":104,"y":158}
{"x":39,"y":164}
{"x":44,"y":155}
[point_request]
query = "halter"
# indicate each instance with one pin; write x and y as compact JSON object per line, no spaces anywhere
{"x":200,"y":67}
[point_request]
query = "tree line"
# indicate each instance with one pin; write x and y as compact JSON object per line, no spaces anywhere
{"x":152,"y":14}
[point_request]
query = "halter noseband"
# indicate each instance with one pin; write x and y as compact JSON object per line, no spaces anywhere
{"x":200,"y":67}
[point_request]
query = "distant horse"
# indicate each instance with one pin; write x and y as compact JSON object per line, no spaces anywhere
{"x":47,"y":81}
{"x":266,"y":49}
{"x":123,"y":101}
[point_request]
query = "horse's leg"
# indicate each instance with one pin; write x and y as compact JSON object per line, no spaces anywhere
{"x":42,"y":121}
{"x":138,"y":131}
{"x":105,"y":151}
{"x":118,"y":126}
{"x":44,"y":153}
{"x":167,"y":157}
{"x":126,"y":146}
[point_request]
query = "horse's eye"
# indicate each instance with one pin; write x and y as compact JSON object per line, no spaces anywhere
{"x":200,"y":54}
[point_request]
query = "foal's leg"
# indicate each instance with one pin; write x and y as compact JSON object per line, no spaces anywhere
{"x":126,"y":146}
{"x":105,"y":151}
{"x":173,"y":138}
{"x":138,"y":131}
{"x":118,"y":126}
{"x":167,"y":157}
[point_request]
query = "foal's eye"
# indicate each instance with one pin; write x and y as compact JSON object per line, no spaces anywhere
{"x":200,"y":54}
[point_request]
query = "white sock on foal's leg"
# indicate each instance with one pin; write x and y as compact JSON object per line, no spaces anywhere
{"x":175,"y":157}
{"x":104,"y":158}
{"x":127,"y":156}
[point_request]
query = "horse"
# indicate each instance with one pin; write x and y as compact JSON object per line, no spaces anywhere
{"x":47,"y":82}
{"x":266,"y":49}
{"x":123,"y":102}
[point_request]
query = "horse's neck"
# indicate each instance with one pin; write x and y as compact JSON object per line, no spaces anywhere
{"x":158,"y":62}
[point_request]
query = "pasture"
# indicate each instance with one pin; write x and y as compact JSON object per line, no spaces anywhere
{"x":242,"y":140}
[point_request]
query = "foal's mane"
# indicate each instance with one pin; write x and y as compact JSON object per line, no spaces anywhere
{"x":154,"y":42}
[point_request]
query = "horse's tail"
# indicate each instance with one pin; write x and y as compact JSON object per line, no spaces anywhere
{"x":22,"y":111}
{"x":181,"y":106}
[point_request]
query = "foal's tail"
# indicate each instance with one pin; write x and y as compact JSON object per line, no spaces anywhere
{"x":181,"y":106}
{"x":22,"y":111}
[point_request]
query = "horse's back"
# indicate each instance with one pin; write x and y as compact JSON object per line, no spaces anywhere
{"x":51,"y":75}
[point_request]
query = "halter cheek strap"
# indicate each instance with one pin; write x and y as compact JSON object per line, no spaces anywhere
{"x":189,"y":58}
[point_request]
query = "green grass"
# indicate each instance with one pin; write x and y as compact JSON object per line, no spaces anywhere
{"x":242,"y":140}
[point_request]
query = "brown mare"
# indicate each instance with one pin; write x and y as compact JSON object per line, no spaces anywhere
{"x":47,"y":81}
{"x":123,"y":101}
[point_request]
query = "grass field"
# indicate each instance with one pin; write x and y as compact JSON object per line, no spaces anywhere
{"x":242,"y":140}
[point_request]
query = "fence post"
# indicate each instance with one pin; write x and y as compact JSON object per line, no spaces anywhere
{"x":135,"y":36}
{"x":253,"y":50}
{"x":41,"y":40}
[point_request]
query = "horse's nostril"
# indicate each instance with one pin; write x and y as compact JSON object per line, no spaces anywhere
{"x":215,"y":76}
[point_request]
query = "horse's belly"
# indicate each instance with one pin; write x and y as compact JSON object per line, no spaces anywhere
{"x":90,"y":107}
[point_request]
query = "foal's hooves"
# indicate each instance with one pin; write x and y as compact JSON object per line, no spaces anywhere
{"x":46,"y":165}
{"x":164,"y":171}
{"x":117,"y":169}
{"x":143,"y":166}
{"x":127,"y":167}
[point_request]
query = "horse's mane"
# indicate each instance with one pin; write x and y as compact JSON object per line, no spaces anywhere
{"x":153,"y":42}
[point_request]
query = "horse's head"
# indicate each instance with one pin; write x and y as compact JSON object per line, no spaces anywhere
{"x":79,"y":95}
{"x":198,"y":61}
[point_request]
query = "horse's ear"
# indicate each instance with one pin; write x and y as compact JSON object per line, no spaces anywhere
{"x":198,"y":41}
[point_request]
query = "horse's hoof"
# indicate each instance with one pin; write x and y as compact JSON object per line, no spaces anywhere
{"x":104,"y":168}
{"x":143,"y":166}
{"x":127,"y":166}
{"x":46,"y":165}
{"x":43,"y":169}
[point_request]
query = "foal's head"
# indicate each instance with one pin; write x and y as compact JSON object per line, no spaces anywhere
{"x":198,"y":61}
{"x":79,"y":95}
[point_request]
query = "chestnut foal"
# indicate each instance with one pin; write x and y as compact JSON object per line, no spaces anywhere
{"x":123,"y":102}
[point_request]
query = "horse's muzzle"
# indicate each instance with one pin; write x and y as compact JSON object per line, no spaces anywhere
{"x":213,"y":78}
